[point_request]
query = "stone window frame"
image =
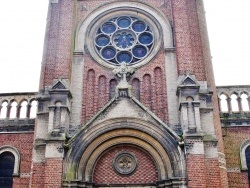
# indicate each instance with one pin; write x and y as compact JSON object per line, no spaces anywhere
{"x":17,"y":156}
{"x":243,"y":160}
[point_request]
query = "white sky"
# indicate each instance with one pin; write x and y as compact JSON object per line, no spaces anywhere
{"x":22,"y":26}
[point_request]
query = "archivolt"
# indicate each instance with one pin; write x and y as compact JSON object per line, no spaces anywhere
{"x":124,"y":136}
{"x":92,"y":141}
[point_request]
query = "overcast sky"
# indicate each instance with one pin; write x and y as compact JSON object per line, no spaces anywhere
{"x":22,"y":26}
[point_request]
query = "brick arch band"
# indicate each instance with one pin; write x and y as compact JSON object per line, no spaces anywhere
{"x":88,"y":146}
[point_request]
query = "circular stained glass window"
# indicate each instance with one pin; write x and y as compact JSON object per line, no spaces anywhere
{"x":124,"y":39}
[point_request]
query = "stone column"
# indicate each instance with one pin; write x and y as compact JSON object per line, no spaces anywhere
{"x":248,"y":100}
{"x":28,"y":110}
{"x":184,"y":115}
{"x":229,"y":105}
{"x":18,"y":109}
{"x":239,"y":100}
{"x":196,"y":106}
{"x":8,"y":111}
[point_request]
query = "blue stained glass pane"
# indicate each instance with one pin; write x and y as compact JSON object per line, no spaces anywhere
{"x":108,"y":53}
{"x":139,"y":51}
{"x":124,"y":22}
{"x":102,"y":40}
{"x":146,"y":38}
{"x":108,"y":28}
{"x":139,"y":26}
{"x":124,"y":57}
{"x":124,"y":40}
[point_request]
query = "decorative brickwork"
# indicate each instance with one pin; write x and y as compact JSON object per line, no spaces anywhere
{"x":102,"y":95}
{"x":104,"y":172}
{"x":153,"y":93}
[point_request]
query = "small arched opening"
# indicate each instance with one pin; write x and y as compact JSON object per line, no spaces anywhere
{"x":7,"y":162}
{"x":244,"y":102}
{"x":23,"y":110}
{"x":3,"y":112}
{"x":234,"y":103}
{"x":223,"y":103}
{"x":13,"y":109}
{"x":33,"y":109}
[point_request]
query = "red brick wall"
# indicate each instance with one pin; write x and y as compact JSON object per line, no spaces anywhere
{"x":212,"y":173}
{"x":37,"y":179}
{"x":146,"y":171}
{"x":196,"y":171}
{"x":24,"y":144}
{"x":233,"y":139}
{"x":58,"y":43}
{"x":238,"y":180}
{"x":211,"y":82}
{"x":53,"y":173}
{"x":188,"y":39}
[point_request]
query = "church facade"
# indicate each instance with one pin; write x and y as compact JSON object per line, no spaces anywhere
{"x":126,"y":99}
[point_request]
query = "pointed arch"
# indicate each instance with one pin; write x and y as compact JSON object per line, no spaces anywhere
{"x":13,"y":109}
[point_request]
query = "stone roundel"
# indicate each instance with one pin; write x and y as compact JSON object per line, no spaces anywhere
{"x":125,"y":163}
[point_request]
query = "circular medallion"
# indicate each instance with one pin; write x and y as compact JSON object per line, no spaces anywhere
{"x":125,"y":163}
{"x":124,"y":39}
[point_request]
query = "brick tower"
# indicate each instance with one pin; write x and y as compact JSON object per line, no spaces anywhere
{"x":127,"y":97}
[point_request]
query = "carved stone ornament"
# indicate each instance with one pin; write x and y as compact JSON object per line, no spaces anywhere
{"x":125,"y":163}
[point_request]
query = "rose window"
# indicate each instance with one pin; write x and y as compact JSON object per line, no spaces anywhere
{"x":124,"y":39}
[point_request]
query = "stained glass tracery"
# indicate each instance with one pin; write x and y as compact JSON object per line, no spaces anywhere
{"x":124,"y":39}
